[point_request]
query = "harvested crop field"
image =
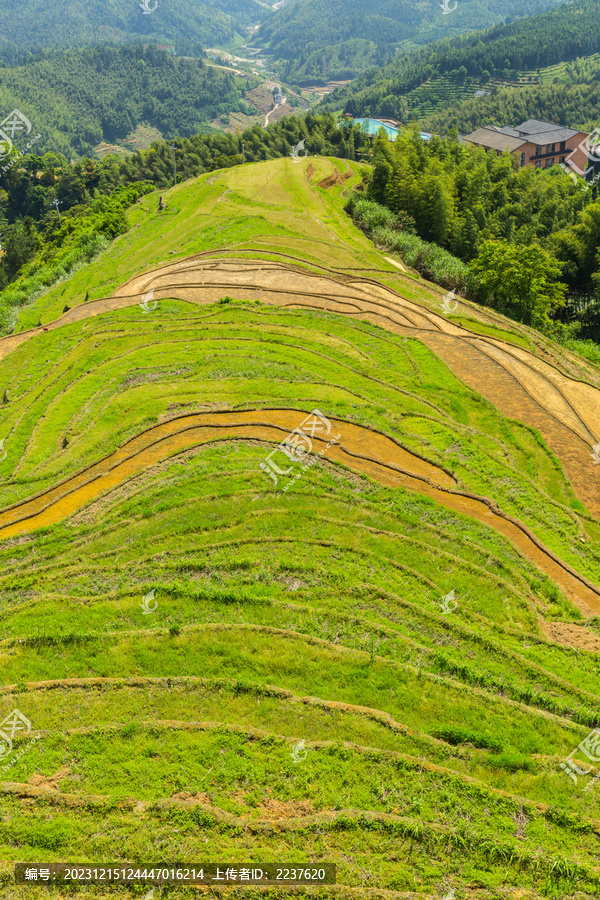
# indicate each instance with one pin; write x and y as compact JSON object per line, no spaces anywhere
{"x":293,"y":567}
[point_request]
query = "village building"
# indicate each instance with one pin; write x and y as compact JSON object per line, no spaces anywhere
{"x":537,"y":143}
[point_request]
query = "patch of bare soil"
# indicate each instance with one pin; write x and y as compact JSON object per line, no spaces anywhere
{"x":50,"y":782}
{"x":188,"y":797}
{"x":577,"y":636}
{"x":261,"y":98}
{"x":280,"y":111}
{"x":287,"y":809}
{"x":335,"y":178}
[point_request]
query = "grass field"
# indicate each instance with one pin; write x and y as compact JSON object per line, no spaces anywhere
{"x":379,"y":659}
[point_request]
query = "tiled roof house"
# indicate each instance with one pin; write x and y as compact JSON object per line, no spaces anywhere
{"x":536,"y":143}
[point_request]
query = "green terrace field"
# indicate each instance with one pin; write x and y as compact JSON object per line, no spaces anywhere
{"x":441,"y":92}
{"x":375,"y":655}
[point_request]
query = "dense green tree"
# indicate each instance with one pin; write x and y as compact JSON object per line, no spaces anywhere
{"x":77,"y":99}
{"x":381,"y":175}
{"x":518,"y":280}
{"x":464,"y":239}
{"x":22,"y":243}
{"x":577,"y":248}
{"x":435,"y":208}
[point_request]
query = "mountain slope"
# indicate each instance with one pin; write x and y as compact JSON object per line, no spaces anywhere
{"x":32,"y":24}
{"x":471,"y":61}
{"x":320,"y":38}
{"x":570,"y":93}
{"x":366,"y":661}
{"x":77,"y":99}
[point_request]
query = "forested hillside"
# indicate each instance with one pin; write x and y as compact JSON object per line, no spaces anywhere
{"x":558,"y":35}
{"x":77,"y":99}
{"x":460,"y":196}
{"x":191,"y":24}
{"x":336,"y":39}
{"x":575,"y":104}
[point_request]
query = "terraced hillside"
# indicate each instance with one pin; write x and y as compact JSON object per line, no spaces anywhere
{"x":373,"y":650}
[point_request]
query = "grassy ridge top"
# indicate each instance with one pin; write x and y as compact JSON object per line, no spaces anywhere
{"x":311,"y":618}
{"x":264,"y":209}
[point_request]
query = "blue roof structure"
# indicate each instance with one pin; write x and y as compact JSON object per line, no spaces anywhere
{"x":373,"y":126}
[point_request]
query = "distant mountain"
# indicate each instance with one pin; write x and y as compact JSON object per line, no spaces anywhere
{"x":451,"y":70}
{"x":317,"y":40}
{"x":30,"y":24}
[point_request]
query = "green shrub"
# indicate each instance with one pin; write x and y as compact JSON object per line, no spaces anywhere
{"x":455,"y":735}
{"x":78,"y":241}
{"x":512,"y":762}
{"x":395,"y":232}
